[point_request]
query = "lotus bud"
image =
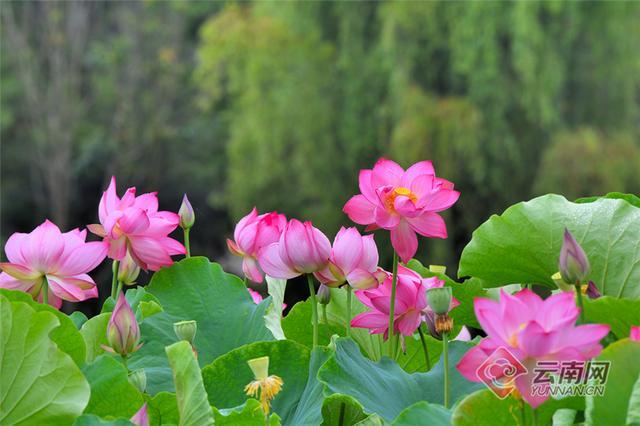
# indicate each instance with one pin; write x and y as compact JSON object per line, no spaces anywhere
{"x":574,"y":265}
{"x":324,"y":294}
{"x":439,"y":299}
{"x":138,"y":379}
{"x":187,"y":216}
{"x":128,"y":270}
{"x":592,"y":291}
{"x":123,"y":333}
{"x":141,"y":418}
{"x":186,"y":330}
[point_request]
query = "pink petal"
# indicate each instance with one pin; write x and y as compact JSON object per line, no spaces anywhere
{"x":385,"y":219}
{"x":488,"y":315}
{"x":404,"y":241}
{"x":20,"y":272}
{"x":364,"y":182}
{"x":524,"y":384}
{"x":370,"y":320}
{"x":405,"y":207}
{"x":272,"y":264}
{"x":11,"y":283}
{"x":250,"y":218}
{"x":162,"y":225}
{"x":233,"y":248}
{"x":150,"y":251}
{"x":134,"y":221}
{"x":535,"y":341}
{"x":418,"y":169}
{"x":148,"y":202}
{"x":386,"y":172}
{"x":439,"y":200}
{"x":128,"y":199}
{"x":360,"y":210}
{"x":347,"y":249}
{"x":109,"y":201}
{"x":634,"y":334}
{"x":408,"y":323}
{"x":361,"y":279}
{"x":470,"y":362}
{"x":247,"y":238}
{"x":557,"y":311}
{"x":369,"y":260}
{"x":83,"y":258}
{"x":117,"y":248}
{"x":44,"y":246}
{"x":13,"y":248}
{"x":251,"y":270}
{"x":257,"y":298}
{"x":422,"y":186}
{"x":429,"y":225}
{"x":464,"y":335}
{"x":586,"y":338}
{"x":72,"y":289}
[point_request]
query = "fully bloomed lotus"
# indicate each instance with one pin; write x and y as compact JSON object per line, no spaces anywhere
{"x":251,"y":234}
{"x":403,"y":202}
{"x":353,"y":259}
{"x":59,"y":260}
{"x":301,"y":249}
{"x":411,"y":301}
{"x":135,"y":224}
{"x":533,"y":330}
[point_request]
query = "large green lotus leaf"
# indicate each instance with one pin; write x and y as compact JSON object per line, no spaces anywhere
{"x":226,"y":377}
{"x":111,"y":393}
{"x":191,"y":397}
{"x":163,"y":409}
{"x":138,"y":298}
{"x":523,"y":244}
{"x":338,"y":410}
{"x":464,"y":292}
{"x":629,"y":198}
{"x":620,"y":314}
{"x":195,"y":289}
{"x":372,"y":420}
{"x":39,"y":383}
{"x":384,"y":387}
{"x":65,"y":335}
{"x":612,"y":407}
{"x":633,"y":413}
{"x":78,"y":318}
{"x":297,"y":326}
{"x":248,"y":414}
{"x":93,"y":420}
{"x":423,"y":413}
{"x":373,"y":346}
{"x":484,"y":408}
{"x":94,"y":333}
{"x":309,"y":407}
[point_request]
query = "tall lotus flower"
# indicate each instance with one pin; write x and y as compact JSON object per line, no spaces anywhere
{"x":141,"y":417}
{"x":123,"y":333}
{"x":574,"y":264}
{"x":404,"y":202}
{"x":411,"y":301}
{"x":301,"y":249}
{"x":353,"y":259}
{"x":134,"y":223}
{"x":533,"y":330}
{"x":252,"y":233}
{"x":62,"y":259}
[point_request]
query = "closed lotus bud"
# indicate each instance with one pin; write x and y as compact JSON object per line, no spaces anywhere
{"x":187,"y":216}
{"x":439,"y":299}
{"x":123,"y":333}
{"x":138,"y":379}
{"x":324,"y":294}
{"x":128,"y":270}
{"x":186,"y":330}
{"x":444,"y":324}
{"x":574,"y":265}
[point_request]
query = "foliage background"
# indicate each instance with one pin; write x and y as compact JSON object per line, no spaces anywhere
{"x":278,"y":104}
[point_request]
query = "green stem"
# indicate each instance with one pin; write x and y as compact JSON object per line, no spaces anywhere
{"x":580,"y":302}
{"x":349,"y":291}
{"x":324,"y":314}
{"x":314,"y":309}
{"x":124,"y":361}
{"x":45,"y":291}
{"x":392,"y":306}
{"x":445,"y":355}
{"x":186,"y":242}
{"x":424,"y":348}
{"x":119,"y":290}
{"x":114,"y":278}
{"x":534,"y":417}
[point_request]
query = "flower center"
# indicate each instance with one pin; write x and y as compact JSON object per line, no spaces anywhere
{"x":513,"y":340}
{"x":391,"y":198}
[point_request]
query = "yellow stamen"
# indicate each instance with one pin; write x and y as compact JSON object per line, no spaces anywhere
{"x":264,"y":387}
{"x":513,"y":340}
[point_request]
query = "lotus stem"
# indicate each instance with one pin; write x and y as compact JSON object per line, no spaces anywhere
{"x":580,"y":302}
{"x":314,"y":309}
{"x":45,"y":291}
{"x":186,"y":242}
{"x":445,"y":354}
{"x":349,"y":291}
{"x":114,"y":278}
{"x":392,"y":307}
{"x":424,"y":348}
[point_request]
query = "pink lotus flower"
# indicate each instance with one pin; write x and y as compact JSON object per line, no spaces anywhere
{"x":533,"y":330}
{"x":123,"y":332}
{"x":301,"y":249}
{"x":411,"y":301}
{"x":404,"y":202}
{"x":63,"y":259}
{"x":353,"y":259}
{"x":257,"y":298}
{"x":252,"y":233}
{"x":135,"y":223}
{"x":635,"y":333}
{"x":141,"y":417}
